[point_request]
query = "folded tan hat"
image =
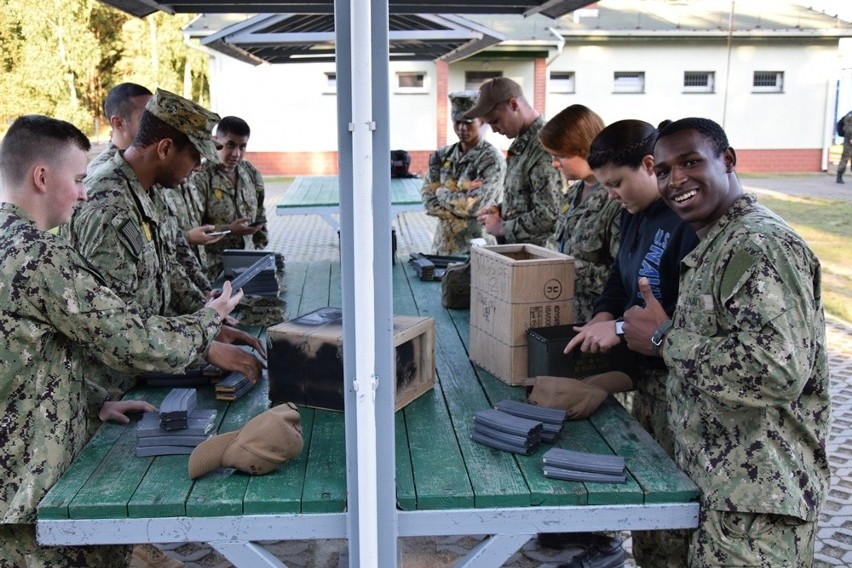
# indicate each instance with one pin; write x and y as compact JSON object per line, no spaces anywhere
{"x":579,"y":398}
{"x":264,"y":442}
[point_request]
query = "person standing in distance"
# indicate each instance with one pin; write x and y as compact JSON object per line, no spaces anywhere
{"x":461,"y":178}
{"x":748,"y":387}
{"x":531,"y":191}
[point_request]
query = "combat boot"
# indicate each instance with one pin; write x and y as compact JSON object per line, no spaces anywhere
{"x":840,"y":177}
{"x":602,"y":555}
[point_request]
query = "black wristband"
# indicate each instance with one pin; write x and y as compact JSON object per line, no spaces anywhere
{"x":659,"y":336}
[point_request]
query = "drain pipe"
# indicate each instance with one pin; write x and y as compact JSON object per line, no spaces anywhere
{"x":560,"y":45}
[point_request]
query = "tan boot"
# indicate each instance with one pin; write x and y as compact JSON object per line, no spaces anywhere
{"x":149,"y":556}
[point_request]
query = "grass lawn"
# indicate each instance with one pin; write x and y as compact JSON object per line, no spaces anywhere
{"x":826,"y":225}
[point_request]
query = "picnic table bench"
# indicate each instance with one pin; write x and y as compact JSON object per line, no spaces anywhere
{"x":320,"y":195}
{"x":446,"y":484}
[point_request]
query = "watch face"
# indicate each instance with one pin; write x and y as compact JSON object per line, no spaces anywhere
{"x":619,"y":328}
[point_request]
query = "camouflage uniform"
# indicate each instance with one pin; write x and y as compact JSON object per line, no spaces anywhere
{"x":52,"y":303}
{"x":223,"y":203}
{"x":590,"y":232}
{"x":847,"y":146}
{"x":748,"y":386}
{"x":121,"y":231}
{"x":102,"y":158}
{"x":170,"y":211}
{"x":188,"y":209}
{"x":448,"y":196}
{"x":531,"y":195}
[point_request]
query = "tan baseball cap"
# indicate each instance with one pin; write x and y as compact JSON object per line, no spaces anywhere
{"x":492,"y":93}
{"x":193,"y":120}
{"x":264,"y":442}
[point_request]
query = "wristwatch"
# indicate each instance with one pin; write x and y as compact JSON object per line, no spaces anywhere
{"x":659,"y":336}
{"x":619,"y":326}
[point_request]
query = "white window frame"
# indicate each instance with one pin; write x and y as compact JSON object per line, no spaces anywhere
{"x":474,"y":79}
{"x":330,"y":87}
{"x":423,"y":89}
{"x":628,"y":82}
{"x":708,"y":87}
{"x":563,"y":82}
{"x":777,"y":87}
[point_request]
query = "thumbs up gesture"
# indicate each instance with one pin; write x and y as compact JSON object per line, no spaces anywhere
{"x":640,"y":323}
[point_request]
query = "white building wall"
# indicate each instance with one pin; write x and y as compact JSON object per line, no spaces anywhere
{"x":795,"y":118}
{"x":291,"y":108}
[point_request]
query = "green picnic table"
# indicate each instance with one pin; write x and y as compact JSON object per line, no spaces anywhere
{"x":446,"y":484}
{"x":320,"y":195}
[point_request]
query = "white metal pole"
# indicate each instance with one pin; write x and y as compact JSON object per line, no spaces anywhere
{"x":365,"y":309}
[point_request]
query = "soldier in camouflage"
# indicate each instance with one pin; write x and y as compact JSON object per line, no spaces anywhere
{"x":846,"y":155}
{"x":748,"y":386}
{"x":588,"y":223}
{"x":462,"y":177}
{"x":58,"y":318}
{"x":531,"y":190}
{"x":122,"y":107}
{"x":121,"y":229}
{"x":231,"y":192}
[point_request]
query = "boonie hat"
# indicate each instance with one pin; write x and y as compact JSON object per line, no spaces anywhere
{"x":461,"y":102}
{"x":184,"y":115}
{"x":492,"y":93}
{"x":264,"y":442}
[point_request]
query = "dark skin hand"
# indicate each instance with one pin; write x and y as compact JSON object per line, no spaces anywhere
{"x":232,"y":358}
{"x":640,"y":323}
{"x":117,"y":410}
{"x":234,"y":336}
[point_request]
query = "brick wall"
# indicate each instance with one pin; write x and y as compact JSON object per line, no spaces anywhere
{"x":540,"y":86}
{"x":315,"y":163}
{"x":779,"y":161}
{"x":325,"y":163}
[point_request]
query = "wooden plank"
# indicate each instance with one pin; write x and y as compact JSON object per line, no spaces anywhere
{"x":108,"y":491}
{"x":55,"y":505}
{"x":495,"y":476}
{"x":325,"y":479}
{"x":166,"y":486}
{"x":315,"y":292}
{"x":647,"y":462}
{"x":406,"y":494}
{"x":281,"y":490}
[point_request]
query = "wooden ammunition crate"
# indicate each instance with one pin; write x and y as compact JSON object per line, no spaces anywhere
{"x":305,"y":357}
{"x":515,"y":288}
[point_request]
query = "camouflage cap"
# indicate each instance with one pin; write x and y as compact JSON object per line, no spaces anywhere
{"x":492,"y":93}
{"x":184,"y":115}
{"x":461,"y":102}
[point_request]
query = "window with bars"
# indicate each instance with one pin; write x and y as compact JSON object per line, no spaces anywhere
{"x":412,"y":82}
{"x":474,"y":79}
{"x":628,"y":82}
{"x":768,"y":82}
{"x":562,"y":82}
{"x":699,"y":81}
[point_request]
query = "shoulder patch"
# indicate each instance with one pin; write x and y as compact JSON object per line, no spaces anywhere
{"x":739,"y":264}
{"x":132,"y":236}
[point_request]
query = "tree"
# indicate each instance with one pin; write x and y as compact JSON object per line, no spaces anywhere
{"x":61,"y":57}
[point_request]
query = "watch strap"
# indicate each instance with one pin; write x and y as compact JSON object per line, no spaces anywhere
{"x":659,"y":335}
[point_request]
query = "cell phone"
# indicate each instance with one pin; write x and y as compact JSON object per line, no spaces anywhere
{"x":255,"y":223}
{"x":218,"y":233}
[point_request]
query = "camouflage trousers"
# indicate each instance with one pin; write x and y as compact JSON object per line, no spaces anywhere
{"x":657,"y":549}
{"x":844,"y":157}
{"x":20,"y":549}
{"x":731,"y":538}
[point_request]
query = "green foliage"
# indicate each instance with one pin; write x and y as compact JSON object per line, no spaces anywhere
{"x":61,"y":57}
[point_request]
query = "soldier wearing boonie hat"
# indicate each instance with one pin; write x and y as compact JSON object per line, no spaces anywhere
{"x":187,"y":117}
{"x":460,"y":103}
{"x":461,"y":178}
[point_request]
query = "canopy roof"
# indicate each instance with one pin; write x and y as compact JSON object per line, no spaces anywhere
{"x":551,"y":8}
{"x":292,"y":38}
